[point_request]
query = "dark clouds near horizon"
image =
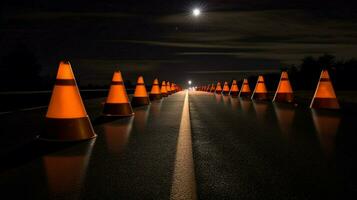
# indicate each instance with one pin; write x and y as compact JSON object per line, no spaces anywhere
{"x":232,"y":39}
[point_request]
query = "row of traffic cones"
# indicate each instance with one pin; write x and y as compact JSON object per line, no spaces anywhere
{"x":324,"y":96}
{"x":67,"y":119}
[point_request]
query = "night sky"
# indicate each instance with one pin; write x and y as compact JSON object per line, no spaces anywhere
{"x":231,"y":39}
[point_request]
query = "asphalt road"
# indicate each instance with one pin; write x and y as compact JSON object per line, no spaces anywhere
{"x":187,"y":146}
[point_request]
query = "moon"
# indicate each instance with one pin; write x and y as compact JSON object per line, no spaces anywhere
{"x":196,"y":12}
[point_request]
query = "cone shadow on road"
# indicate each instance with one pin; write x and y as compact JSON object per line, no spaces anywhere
{"x":326,"y":124}
{"x":285,"y":114}
{"x":66,"y":170}
{"x":141,"y":117}
{"x":218,"y":98}
{"x":32,"y":150}
{"x":225,"y":100}
{"x":235,"y":103}
{"x":245,"y":105}
{"x":261,"y":110}
{"x":117,"y":135}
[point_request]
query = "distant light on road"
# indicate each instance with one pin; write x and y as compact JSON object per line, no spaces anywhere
{"x":189,"y":82}
{"x":196,"y":12}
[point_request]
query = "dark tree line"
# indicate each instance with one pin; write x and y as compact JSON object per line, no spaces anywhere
{"x":342,"y":73}
{"x":306,"y":75}
{"x":20,"y":70}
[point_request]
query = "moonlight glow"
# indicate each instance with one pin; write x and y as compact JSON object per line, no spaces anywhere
{"x":196,"y":12}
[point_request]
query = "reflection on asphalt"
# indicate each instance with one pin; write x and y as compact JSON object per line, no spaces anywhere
{"x":265,"y":150}
{"x":117,"y":134}
{"x":66,"y":170}
{"x":326,"y":124}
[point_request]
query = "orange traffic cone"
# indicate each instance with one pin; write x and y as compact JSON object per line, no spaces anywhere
{"x":208,"y":88}
{"x":168,"y":88}
{"x":155,"y":93}
{"x":260,"y":92}
{"x":284,"y":93}
{"x":234,"y":89}
{"x":219,"y":88}
{"x":213,"y":88}
{"x":225,"y":89}
{"x":245,"y":91}
{"x":163,"y":89}
{"x":117,"y":103}
{"x":66,"y":118}
{"x":141,"y":97}
{"x":173,"y":90}
{"x":325,"y":96}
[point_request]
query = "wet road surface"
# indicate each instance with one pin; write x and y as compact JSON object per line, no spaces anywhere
{"x":186,"y":146}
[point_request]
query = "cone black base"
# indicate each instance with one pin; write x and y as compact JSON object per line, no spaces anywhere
{"x":218,"y":91}
{"x":67,"y":130}
{"x":234,"y":94}
{"x":284,"y":98}
{"x":164,"y":95}
{"x":260,"y":96}
{"x":245,"y":95}
{"x":118,"y":109}
{"x":325,"y":103}
{"x":225,"y":93}
{"x":140,"y":101}
{"x":155,"y":97}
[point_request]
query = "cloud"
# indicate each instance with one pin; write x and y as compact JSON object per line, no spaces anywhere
{"x":66,"y":15}
{"x":234,"y":71}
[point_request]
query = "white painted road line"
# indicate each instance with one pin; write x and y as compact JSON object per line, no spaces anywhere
{"x":184,"y":183}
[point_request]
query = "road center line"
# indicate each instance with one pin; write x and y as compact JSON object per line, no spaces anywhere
{"x":184,"y":183}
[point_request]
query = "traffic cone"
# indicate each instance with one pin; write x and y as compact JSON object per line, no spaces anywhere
{"x":325,"y":96}
{"x":284,"y":93}
{"x":245,"y":90}
{"x":213,"y":88}
{"x":66,"y":118}
{"x":141,"y":97}
{"x":178,"y":88}
{"x":219,"y":88}
{"x":168,"y":88}
{"x":225,"y":89}
{"x":117,"y":103}
{"x":173,"y":90}
{"x":163,"y":89}
{"x":234,"y":89}
{"x":208,"y":89}
{"x":155,"y":93}
{"x":260,"y":92}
